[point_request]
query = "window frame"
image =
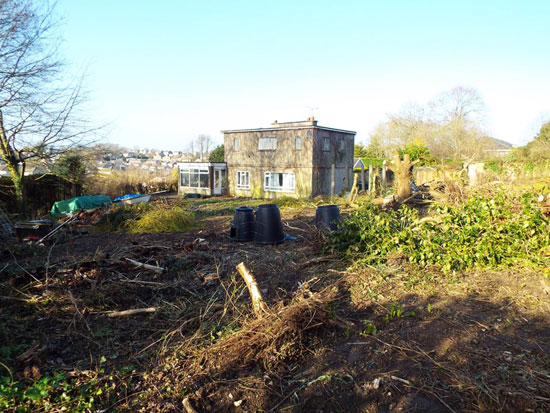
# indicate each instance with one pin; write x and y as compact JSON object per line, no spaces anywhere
{"x":326,"y":144}
{"x":270,"y":177}
{"x":239,"y":185}
{"x":194,"y":178}
{"x":267,"y":143}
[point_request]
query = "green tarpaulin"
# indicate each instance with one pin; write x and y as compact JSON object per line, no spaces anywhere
{"x":70,"y":206}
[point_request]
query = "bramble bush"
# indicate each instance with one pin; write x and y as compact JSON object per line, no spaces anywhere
{"x":481,"y":232}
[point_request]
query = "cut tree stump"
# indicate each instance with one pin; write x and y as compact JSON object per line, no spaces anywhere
{"x":402,"y":169}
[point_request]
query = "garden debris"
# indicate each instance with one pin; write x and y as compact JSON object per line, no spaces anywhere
{"x":188,"y":406}
{"x":258,"y":302}
{"x":154,"y":268}
{"x":131,"y":312}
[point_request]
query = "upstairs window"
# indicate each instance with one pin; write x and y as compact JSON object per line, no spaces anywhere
{"x":298,"y":144}
{"x":279,"y":181}
{"x":326,"y":144}
{"x":342,"y":145}
{"x":267,"y":144}
{"x":236,"y":144}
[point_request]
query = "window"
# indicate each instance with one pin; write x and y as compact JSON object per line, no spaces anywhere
{"x":279,"y":181}
{"x":236,"y":144}
{"x":326,"y":144}
{"x":267,"y":144}
{"x":194,"y":178}
{"x":342,"y":145}
{"x":243,"y":180}
{"x":298,"y":144}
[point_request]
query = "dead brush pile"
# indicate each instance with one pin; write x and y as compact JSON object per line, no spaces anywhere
{"x":284,"y":334}
{"x":277,"y":338}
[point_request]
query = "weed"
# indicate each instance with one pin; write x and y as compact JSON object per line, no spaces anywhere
{"x":369,"y":330}
{"x":395,"y":312}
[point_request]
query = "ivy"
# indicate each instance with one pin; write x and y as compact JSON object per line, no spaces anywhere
{"x":483,"y":232}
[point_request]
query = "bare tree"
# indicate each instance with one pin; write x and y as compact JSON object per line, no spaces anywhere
{"x":38,"y":110}
{"x":201,"y":145}
{"x":451,"y":126}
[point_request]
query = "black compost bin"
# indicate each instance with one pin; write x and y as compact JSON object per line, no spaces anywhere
{"x":327,"y":216}
{"x":242,"y":227}
{"x":269,"y":228}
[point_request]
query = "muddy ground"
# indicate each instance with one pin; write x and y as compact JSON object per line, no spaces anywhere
{"x":336,"y":337}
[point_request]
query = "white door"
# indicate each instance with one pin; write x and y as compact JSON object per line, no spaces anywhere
{"x":218,"y":181}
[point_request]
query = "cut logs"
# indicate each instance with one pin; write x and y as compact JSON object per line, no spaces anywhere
{"x":258,"y":302}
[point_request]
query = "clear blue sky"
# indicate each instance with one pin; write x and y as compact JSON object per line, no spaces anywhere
{"x":163,"y":72}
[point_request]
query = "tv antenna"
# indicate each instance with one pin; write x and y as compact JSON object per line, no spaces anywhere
{"x":312,"y":110}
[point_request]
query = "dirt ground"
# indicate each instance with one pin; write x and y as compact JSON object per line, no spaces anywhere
{"x":336,"y":337}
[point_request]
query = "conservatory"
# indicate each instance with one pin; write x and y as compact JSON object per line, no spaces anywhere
{"x":203,"y":178}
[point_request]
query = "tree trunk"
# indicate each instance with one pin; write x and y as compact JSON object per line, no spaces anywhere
{"x":16,"y":168}
{"x":402,"y":169}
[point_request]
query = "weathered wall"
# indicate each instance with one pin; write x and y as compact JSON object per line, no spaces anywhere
{"x":323,"y":161}
{"x":311,"y":165}
{"x":286,"y":158}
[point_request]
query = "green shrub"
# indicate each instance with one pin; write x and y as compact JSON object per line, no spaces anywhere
{"x":482,"y":232}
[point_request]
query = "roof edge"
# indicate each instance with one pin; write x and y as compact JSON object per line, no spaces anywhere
{"x":290,"y":128}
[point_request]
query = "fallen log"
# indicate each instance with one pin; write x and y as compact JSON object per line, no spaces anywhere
{"x":131,"y":312}
{"x":258,"y":302}
{"x":149,"y":267}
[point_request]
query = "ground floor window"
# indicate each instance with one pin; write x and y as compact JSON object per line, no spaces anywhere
{"x":279,"y":181}
{"x":194,"y":178}
{"x":243,"y":180}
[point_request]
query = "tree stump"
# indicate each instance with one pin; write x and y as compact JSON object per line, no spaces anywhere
{"x":403,"y":169}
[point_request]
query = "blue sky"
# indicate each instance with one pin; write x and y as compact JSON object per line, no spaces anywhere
{"x":163,"y":72}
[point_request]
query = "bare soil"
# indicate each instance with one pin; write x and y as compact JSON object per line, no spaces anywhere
{"x":336,"y":337}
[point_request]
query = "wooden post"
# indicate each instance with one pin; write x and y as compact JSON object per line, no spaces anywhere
{"x":370,"y":179}
{"x":332,"y":178}
{"x":384,"y":169}
{"x":347,"y":178}
{"x":363,"y":182}
{"x":258,"y":302}
{"x":354,"y":188}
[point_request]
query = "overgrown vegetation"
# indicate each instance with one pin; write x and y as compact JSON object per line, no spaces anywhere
{"x":147,"y":218}
{"x":481,"y":232}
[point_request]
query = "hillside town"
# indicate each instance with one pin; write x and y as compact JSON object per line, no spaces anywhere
{"x":105,"y":161}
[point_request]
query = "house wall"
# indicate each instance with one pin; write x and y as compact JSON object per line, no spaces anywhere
{"x":286,"y":158}
{"x":323,"y":161}
{"x":311,"y":165}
